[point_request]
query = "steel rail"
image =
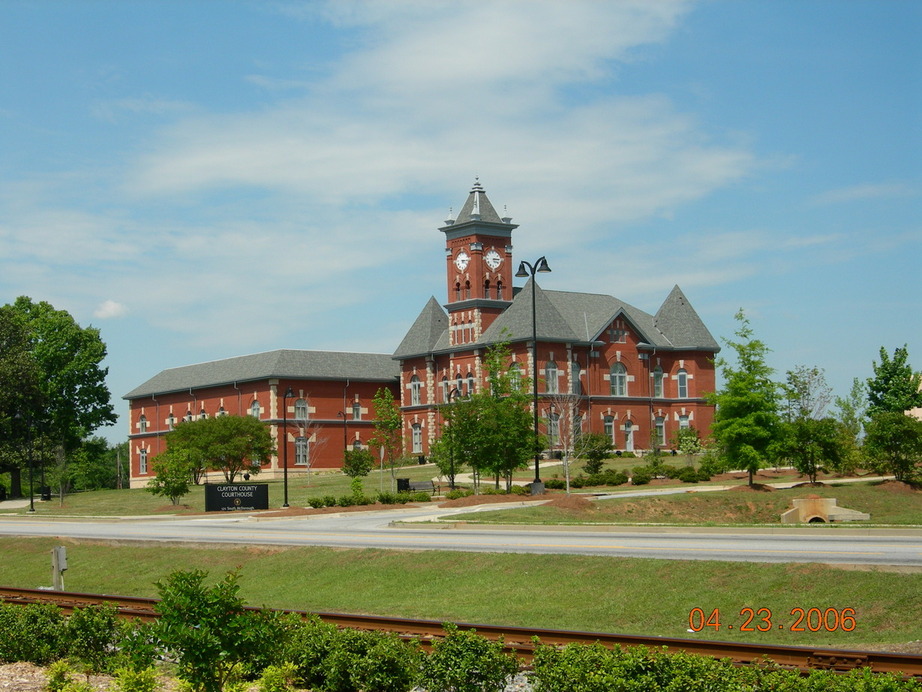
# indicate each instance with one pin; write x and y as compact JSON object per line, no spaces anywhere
{"x":520,"y":640}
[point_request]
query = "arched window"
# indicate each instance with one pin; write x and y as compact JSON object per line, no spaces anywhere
{"x":618,"y":378}
{"x":302,"y":451}
{"x":610,"y":428}
{"x":467,"y":290}
{"x":658,"y":382}
{"x":577,"y":426}
{"x":171,"y":422}
{"x":660,"y":436}
{"x":459,"y":384}
{"x":470,"y":384}
{"x":445,"y":390}
{"x":576,"y":386}
{"x":628,"y":436}
{"x":221,"y":412}
{"x":202,"y":414}
{"x":682,"y":381}
{"x":188,"y":416}
{"x":486,"y":289}
{"x":301,"y":409}
{"x":553,"y":429}
{"x":142,"y":423}
{"x":550,"y":377}
{"x":356,"y":410}
{"x":499,"y":290}
{"x":683,"y":422}
{"x":254,"y":409}
{"x":415,"y":390}
{"x":356,"y":445}
{"x":417,"y":438}
{"x":458,"y":291}
{"x":515,"y":376}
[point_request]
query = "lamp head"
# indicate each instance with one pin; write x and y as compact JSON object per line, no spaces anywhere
{"x":522,"y":273}
{"x":542,"y":266}
{"x":288,"y":393}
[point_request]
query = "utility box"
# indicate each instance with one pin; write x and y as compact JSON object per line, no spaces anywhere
{"x":58,"y":567}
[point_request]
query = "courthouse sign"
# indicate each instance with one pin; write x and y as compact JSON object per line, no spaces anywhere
{"x":236,"y":496}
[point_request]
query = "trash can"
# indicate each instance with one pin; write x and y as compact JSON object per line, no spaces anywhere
{"x":421,"y":459}
{"x":403,"y":485}
{"x":46,"y":493}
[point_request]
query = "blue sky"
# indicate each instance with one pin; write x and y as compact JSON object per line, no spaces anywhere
{"x":207,"y":179}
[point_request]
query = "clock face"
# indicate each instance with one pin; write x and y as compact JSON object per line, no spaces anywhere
{"x":462,"y":260}
{"x":492,"y":259}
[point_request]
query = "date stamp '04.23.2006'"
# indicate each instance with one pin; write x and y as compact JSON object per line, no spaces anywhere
{"x":761,"y":620}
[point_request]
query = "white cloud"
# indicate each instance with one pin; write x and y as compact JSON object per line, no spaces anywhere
{"x":110,"y":309}
{"x":866,"y":192}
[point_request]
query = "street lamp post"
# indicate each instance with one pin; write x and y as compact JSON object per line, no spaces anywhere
{"x":455,"y":393}
{"x":527,"y":269}
{"x":285,"y":397}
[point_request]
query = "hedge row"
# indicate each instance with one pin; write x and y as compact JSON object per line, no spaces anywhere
{"x":215,"y":649}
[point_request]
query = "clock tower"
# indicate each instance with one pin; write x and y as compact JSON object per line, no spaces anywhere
{"x":478,"y":261}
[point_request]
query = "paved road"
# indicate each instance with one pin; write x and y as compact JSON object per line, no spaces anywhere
{"x":375,"y":530}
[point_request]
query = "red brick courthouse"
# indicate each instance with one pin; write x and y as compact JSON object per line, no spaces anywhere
{"x":603,"y":366}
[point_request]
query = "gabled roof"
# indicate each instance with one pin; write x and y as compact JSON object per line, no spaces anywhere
{"x":427,"y":330}
{"x":566,"y":316}
{"x":679,"y":322}
{"x":283,"y":363}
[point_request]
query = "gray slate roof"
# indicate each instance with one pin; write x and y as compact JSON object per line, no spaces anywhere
{"x":283,"y":363}
{"x":565,"y":316}
{"x":477,"y":199}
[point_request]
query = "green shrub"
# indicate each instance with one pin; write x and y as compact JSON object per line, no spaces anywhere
{"x":93,"y":635}
{"x":458,"y":493}
{"x":138,"y":647}
{"x":316,"y":502}
{"x":345,"y":501}
{"x":367,"y":660}
{"x":31,"y":633}
{"x":521,"y":490}
{"x":59,"y":674}
{"x":313,"y":642}
{"x":278,"y":678}
{"x":641,"y":475}
{"x":555,"y":484}
{"x":207,"y":630}
{"x":388,"y":498}
{"x":686,"y":474}
{"x":464,"y":661}
{"x":329,"y":501}
{"x":421,"y":496}
{"x":132,"y":680}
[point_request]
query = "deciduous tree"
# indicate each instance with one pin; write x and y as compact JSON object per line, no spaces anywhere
{"x":175,"y":472}
{"x":230,"y":444}
{"x":812,"y":444}
{"x":746,"y":420}
{"x":894,"y":387}
{"x":491,"y":431}
{"x":388,"y":429}
{"x":893,"y":444}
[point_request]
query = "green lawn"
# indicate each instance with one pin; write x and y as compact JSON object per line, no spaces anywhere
{"x":140,"y":502}
{"x":887,"y":504}
{"x":639,"y":596}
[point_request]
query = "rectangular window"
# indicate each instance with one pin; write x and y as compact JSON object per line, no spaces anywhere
{"x":142,"y":461}
{"x":356,"y":411}
{"x":417,"y":438}
{"x":302,"y":451}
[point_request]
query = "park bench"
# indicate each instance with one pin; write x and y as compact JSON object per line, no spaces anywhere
{"x":425,"y":486}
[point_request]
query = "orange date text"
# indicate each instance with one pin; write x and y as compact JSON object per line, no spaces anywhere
{"x":763,"y":620}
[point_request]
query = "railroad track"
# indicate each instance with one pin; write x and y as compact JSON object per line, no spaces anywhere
{"x":518,"y":640}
